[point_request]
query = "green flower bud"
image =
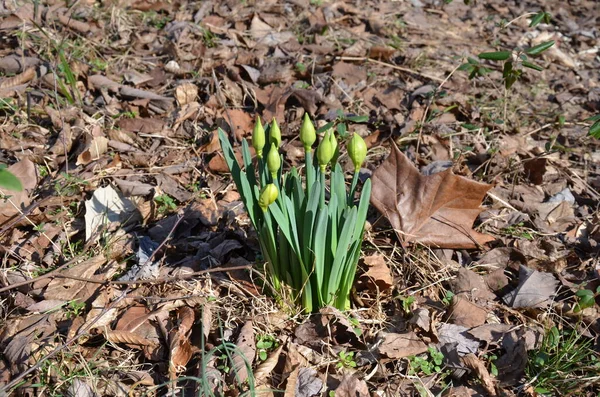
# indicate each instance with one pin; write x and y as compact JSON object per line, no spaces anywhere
{"x":308,"y":135}
{"x":357,"y":150}
{"x":275,"y":133}
{"x":273,"y":160}
{"x":326,"y":149}
{"x":258,"y":137}
{"x":336,"y":150}
{"x":268,"y":195}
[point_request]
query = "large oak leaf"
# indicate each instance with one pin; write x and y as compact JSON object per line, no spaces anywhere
{"x":437,"y":210}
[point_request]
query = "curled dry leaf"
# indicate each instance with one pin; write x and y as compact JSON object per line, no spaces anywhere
{"x":22,"y":78}
{"x":180,"y":347}
{"x":457,"y":337}
{"x":68,"y":289}
{"x":97,"y":147}
{"x":80,"y":388}
{"x":379,"y":277}
{"x":186,"y":93}
{"x":106,"y":205}
{"x":130,"y":338}
{"x":243,"y":356}
{"x":98,"y":316}
{"x":264,"y":370}
{"x":437,"y":210}
{"x":471,"y":361}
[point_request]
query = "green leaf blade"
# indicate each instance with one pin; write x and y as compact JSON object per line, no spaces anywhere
{"x":495,"y":55}
{"x":538,"y":49}
{"x":9,"y":181}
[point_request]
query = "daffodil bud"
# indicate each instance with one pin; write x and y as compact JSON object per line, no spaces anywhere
{"x":268,"y":195}
{"x":275,"y":133}
{"x":336,"y":150}
{"x":357,"y":150}
{"x":308,"y":135}
{"x":326,"y":149}
{"x":273,"y":160}
{"x":258,"y":137}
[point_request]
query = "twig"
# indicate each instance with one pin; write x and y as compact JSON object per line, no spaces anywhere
{"x":53,"y":273}
{"x":161,"y":280}
{"x":390,"y":65}
{"x":505,"y":203}
{"x":517,"y":18}
{"x":429,"y":105}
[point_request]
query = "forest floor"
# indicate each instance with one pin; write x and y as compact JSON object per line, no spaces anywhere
{"x":130,"y":268}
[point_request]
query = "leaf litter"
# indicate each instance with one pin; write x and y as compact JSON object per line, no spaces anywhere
{"x":109,"y":120}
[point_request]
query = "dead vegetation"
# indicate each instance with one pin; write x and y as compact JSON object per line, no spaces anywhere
{"x":128,"y":263}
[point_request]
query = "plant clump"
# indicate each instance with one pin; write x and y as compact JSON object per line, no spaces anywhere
{"x":310,"y":226}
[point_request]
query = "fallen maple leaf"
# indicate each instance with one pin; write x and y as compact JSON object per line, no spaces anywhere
{"x":437,"y":210}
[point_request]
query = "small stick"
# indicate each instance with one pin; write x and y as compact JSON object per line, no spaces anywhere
{"x":389,"y":65}
{"x":161,"y":280}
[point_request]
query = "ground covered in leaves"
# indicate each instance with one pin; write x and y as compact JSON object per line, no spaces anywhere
{"x":128,"y":264}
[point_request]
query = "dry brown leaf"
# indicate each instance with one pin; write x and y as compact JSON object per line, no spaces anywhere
{"x":265,"y":369}
{"x":242,"y":123}
{"x":181,"y":350}
{"x":243,"y":356}
{"x":133,"y":318}
{"x":138,"y":323}
{"x":97,"y":147}
{"x":466,"y":313}
{"x":13,"y":64}
{"x":397,"y":346}
{"x":490,"y":333}
{"x":98,"y":315}
{"x":266,"y":35}
{"x":186,"y":317}
{"x":68,"y":289}
{"x":186,"y":93}
{"x":46,"y":305}
{"x":436,"y":210}
{"x":17,"y":201}
{"x":351,"y":386}
{"x":19,"y":79}
{"x":471,"y":284}
{"x":142,"y":125}
{"x":79,"y":388}
{"x":130,"y":338}
{"x":206,"y":320}
{"x":535,"y":289}
{"x":292,"y":381}
{"x":471,"y":361}
{"x":378,"y":274}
